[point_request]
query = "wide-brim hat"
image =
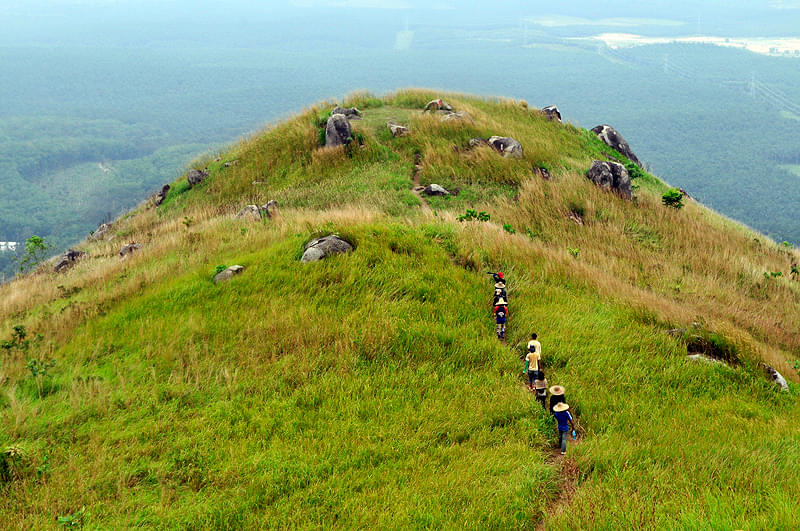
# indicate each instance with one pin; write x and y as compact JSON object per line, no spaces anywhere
{"x":540,"y":384}
{"x":501,"y":302}
{"x":557,"y":390}
{"x":561,"y":406}
{"x":500,"y":285}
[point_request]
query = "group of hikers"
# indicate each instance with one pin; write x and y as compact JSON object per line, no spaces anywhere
{"x":537,"y":383}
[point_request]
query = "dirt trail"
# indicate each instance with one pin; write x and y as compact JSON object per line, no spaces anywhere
{"x":416,"y":188}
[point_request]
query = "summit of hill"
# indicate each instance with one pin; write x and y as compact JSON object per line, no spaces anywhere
{"x":138,"y":387}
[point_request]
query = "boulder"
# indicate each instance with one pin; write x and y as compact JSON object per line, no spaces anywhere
{"x":613,"y":139}
{"x":704,"y":358}
{"x":776,"y":377}
{"x":611,"y":176}
{"x":552,"y":113}
{"x":160,"y":196}
{"x":228,"y":273}
{"x":101,"y":232}
{"x":129,"y":249}
{"x":438,"y":105}
{"x":351,"y":112}
{"x":338,"y":131}
{"x":322,"y":247}
{"x":67,"y":260}
{"x":231,"y":163}
{"x":435,"y":189}
{"x":269,"y":208}
{"x":196,"y":176}
{"x":508,"y":147}
{"x":250,"y":212}
{"x":397,"y":129}
{"x":460,"y":116}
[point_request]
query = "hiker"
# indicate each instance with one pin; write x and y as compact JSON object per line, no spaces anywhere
{"x":557,"y":396}
{"x":500,"y":317}
{"x":564,"y":419}
{"x":532,"y":361}
{"x":541,"y":391}
{"x":535,"y":346}
{"x":499,"y":287}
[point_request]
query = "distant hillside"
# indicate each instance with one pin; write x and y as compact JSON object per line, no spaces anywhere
{"x":368,"y":389}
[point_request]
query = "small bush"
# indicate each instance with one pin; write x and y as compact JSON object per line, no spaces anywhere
{"x":574,"y":251}
{"x":471,"y":215}
{"x":672,"y":198}
{"x":634,"y":171}
{"x":508,"y":228}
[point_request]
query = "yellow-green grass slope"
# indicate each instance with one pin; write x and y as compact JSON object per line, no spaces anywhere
{"x":368,"y":390}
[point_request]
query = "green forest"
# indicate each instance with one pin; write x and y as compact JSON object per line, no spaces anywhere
{"x":87,"y":133}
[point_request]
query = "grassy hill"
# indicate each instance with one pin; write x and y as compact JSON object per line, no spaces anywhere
{"x":369,"y":390}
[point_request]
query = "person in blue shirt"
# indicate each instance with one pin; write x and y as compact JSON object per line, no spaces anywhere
{"x":564,"y":419}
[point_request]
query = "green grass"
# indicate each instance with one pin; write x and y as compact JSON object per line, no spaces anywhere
{"x":368,"y":390}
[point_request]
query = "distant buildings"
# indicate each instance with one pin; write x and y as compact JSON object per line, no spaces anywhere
{"x":8,"y":246}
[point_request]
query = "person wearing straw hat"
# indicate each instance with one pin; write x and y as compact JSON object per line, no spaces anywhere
{"x":556,"y":396}
{"x":532,"y":359}
{"x":564,"y":420}
{"x":500,"y":316}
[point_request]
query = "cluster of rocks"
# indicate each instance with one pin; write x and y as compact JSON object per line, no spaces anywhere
{"x":101,"y":232}
{"x":129,"y":249}
{"x":506,"y":146}
{"x":195,"y":177}
{"x":67,"y":260}
{"x":338,"y":131}
{"x":257,"y":213}
{"x":611,"y":176}
{"x":552,"y":113}
{"x":320,"y":248}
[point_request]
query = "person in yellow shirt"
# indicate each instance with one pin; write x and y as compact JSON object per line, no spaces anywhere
{"x":532,"y":361}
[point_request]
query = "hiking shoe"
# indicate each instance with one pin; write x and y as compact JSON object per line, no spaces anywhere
{"x":563,"y":453}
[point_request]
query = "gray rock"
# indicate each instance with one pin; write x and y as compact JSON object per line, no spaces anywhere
{"x":397,"y":129}
{"x":196,"y":176}
{"x":338,"y":131}
{"x":438,"y":105}
{"x":129,"y":249}
{"x":507,"y":146}
{"x":475,"y":142}
{"x":552,"y":113}
{"x":323,"y":247}
{"x":67,"y":260}
{"x":611,"y":176}
{"x":776,"y":377}
{"x":613,"y":139}
{"x":228,"y":274}
{"x":435,"y":189}
{"x":160,"y":196}
{"x":269,"y":208}
{"x":231,"y":163}
{"x":101,"y":232}
{"x":250,"y":212}
{"x":704,"y":358}
{"x":460,"y":116}
{"x":351,"y":112}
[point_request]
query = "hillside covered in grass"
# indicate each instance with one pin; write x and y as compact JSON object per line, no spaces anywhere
{"x":368,"y":390}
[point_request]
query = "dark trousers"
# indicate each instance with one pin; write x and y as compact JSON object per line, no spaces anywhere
{"x":562,"y":440}
{"x":532,"y":375}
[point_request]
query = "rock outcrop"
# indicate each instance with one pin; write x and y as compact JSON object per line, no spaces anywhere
{"x":476,"y":142}
{"x":438,"y":105}
{"x":611,"y":176}
{"x":613,"y":139}
{"x":776,"y":377}
{"x":552,"y":113}
{"x":101,"y":232}
{"x":196,"y":176}
{"x":67,"y":260}
{"x":435,"y":189}
{"x":160,"y":196}
{"x":228,"y":273}
{"x":338,"y":131}
{"x":129,"y":249}
{"x":322,"y":247}
{"x":460,"y":116}
{"x":250,"y":212}
{"x":351,"y":112}
{"x":507,"y":146}
{"x":397,"y":129}
{"x":270,"y":208}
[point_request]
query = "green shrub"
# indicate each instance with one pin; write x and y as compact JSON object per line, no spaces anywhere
{"x":508,"y":228}
{"x":35,"y":251}
{"x":634,"y":171}
{"x":672,"y":198}
{"x":471,"y":215}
